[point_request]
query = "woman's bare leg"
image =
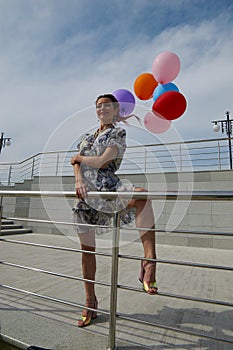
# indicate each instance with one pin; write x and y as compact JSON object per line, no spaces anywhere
{"x":145,"y":219}
{"x":87,"y":241}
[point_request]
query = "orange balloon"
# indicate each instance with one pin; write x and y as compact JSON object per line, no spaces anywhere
{"x":144,"y":86}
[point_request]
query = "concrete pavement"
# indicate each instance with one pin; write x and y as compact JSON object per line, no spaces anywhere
{"x":30,"y":320}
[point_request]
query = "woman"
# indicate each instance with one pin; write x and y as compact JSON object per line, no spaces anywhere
{"x":94,"y":166}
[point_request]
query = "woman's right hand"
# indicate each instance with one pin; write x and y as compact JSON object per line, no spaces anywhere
{"x":81,"y":189}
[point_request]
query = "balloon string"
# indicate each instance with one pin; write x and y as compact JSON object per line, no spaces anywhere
{"x":123,"y":119}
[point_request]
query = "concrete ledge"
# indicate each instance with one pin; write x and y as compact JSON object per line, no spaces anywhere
{"x":47,"y":334}
{"x":191,"y":240}
{"x":8,"y":343}
{"x":196,"y":215}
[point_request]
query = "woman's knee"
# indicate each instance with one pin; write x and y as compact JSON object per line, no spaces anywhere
{"x":140,"y":202}
{"x":87,"y":241}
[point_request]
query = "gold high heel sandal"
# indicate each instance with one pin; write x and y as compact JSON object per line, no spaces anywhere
{"x":150,"y":287}
{"x":88,"y":315}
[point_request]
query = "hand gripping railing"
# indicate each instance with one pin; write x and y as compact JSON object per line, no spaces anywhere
{"x":195,"y":195}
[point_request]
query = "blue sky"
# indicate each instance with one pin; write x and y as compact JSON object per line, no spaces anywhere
{"x":57,"y":56}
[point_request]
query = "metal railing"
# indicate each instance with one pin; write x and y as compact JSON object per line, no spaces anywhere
{"x":196,"y":155}
{"x":115,"y":255}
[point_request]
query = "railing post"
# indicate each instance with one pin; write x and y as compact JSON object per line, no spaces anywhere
{"x":219,"y":157}
{"x":0,"y":214}
{"x":114,"y":279}
{"x":145,"y":161}
{"x":57,"y":165}
{"x":180,"y":157}
{"x":33,"y":165}
{"x":9,"y":176}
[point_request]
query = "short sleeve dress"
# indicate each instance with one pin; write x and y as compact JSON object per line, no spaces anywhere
{"x":99,"y":211}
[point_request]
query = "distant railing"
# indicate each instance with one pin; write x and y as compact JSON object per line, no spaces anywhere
{"x":199,"y":155}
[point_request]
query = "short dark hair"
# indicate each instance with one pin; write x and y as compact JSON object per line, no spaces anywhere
{"x":110,"y":96}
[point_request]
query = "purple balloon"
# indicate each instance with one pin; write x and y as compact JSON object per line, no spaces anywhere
{"x":126,"y":100}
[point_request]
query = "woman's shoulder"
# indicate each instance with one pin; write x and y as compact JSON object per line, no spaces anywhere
{"x":118,"y":131}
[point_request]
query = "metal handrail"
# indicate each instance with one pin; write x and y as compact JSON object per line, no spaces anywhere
{"x":170,"y":195}
{"x":43,"y":221}
{"x":195,"y":195}
{"x":57,"y":163}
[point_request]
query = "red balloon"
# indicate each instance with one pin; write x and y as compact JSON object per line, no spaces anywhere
{"x":144,"y":86}
{"x":171,"y":105}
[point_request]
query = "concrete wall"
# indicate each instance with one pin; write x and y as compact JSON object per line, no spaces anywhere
{"x":207,"y":216}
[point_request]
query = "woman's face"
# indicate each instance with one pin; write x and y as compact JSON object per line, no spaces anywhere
{"x":106,"y":110}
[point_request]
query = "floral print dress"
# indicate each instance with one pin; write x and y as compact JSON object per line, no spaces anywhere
{"x":99,"y":211}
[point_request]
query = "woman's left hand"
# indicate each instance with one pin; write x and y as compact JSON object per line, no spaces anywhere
{"x":81,"y":189}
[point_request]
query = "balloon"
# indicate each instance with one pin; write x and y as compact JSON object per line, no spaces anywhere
{"x":171,"y":105}
{"x":144,"y":86}
{"x":126,"y":100}
{"x":155,"y":123}
{"x":166,"y":67}
{"x":160,"y":89}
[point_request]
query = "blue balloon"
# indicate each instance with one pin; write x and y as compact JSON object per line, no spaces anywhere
{"x":161,"y":88}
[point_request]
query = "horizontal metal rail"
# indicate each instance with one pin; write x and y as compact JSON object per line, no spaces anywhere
{"x":182,"y":297}
{"x":35,"y":269}
{"x":61,"y":301}
{"x":171,"y":156}
{"x":130,"y":257}
{"x":174,"y":329}
{"x":121,"y":286}
{"x":153,"y":195}
{"x":118,"y":315}
{"x":43,"y":221}
{"x":54,"y":247}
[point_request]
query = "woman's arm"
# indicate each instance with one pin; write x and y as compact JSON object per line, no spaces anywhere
{"x":96,"y":161}
{"x":80,"y":187}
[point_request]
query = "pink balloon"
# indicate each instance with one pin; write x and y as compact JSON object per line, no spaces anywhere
{"x":166,"y":67}
{"x":155,"y":123}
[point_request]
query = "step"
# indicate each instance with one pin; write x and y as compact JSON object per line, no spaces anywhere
{"x":13,"y":231}
{"x":7,"y":222}
{"x":10,"y":226}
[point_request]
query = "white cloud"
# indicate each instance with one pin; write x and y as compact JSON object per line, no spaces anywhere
{"x":47,"y":74}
